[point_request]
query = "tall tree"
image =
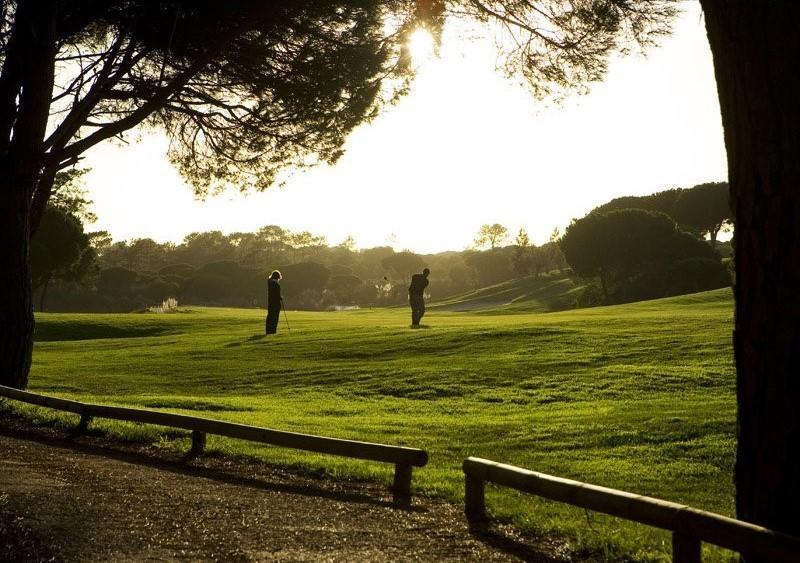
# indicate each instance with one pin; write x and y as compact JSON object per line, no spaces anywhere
{"x":550,"y":254}
{"x":620,"y":247}
{"x":349,"y":243}
{"x":69,"y":194}
{"x":704,"y":209}
{"x":756,"y":46}
{"x":523,"y":253}
{"x":100,"y":241}
{"x":303,"y":242}
{"x":492,"y":235}
{"x":59,"y":250}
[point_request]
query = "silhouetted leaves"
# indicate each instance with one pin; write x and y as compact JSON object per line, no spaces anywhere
{"x":638,"y":254}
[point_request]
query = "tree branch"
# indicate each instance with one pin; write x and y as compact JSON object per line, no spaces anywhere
{"x":134,"y":118}
{"x":81,"y":108}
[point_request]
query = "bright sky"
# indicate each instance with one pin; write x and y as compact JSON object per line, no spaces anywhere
{"x":466,"y":147}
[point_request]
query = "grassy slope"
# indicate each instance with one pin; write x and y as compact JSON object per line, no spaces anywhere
{"x":529,"y":294}
{"x":639,"y":397}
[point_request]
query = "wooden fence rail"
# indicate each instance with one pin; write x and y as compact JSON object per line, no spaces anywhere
{"x":690,"y":526}
{"x":403,"y":458}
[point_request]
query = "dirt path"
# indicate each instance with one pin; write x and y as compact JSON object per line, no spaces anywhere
{"x":90,"y":499}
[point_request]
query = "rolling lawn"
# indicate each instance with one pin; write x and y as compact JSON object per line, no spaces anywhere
{"x":639,"y":397}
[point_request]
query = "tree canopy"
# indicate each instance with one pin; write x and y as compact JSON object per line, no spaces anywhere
{"x":663,"y":202}
{"x":492,"y":235}
{"x":704,"y":208}
{"x":633,"y":252}
{"x":60,"y":250}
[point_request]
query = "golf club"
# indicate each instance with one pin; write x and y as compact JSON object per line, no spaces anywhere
{"x":285,"y":317}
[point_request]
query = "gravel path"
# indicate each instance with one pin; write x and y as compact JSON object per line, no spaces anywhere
{"x":68,"y":498}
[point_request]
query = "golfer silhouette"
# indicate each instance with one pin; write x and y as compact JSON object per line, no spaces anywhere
{"x":274,"y":302}
{"x":415,"y":296}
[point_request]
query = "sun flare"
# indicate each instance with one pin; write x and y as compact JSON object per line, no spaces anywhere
{"x":420,"y":44}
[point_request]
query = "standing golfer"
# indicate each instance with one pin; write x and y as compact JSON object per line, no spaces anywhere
{"x":415,"y":296}
{"x":274,"y":302}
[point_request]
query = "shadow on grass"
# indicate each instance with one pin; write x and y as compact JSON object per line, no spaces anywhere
{"x":504,"y":538}
{"x":47,"y":331}
{"x":254,"y":338}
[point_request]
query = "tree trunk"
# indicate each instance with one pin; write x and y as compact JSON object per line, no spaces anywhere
{"x":20,"y":164}
{"x":756,"y":49}
{"x":41,"y":195}
{"x":16,"y":303}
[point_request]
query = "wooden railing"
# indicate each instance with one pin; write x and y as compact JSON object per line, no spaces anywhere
{"x":689,"y":526}
{"x":403,"y":458}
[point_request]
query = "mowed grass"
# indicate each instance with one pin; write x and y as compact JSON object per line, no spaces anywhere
{"x":639,"y":397}
{"x":531,"y":294}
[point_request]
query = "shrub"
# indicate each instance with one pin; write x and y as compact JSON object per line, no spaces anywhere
{"x":169,"y":305}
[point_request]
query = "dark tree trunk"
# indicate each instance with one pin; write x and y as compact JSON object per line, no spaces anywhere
{"x":16,"y":304}
{"x":41,"y":195}
{"x":756,"y":49}
{"x":712,"y":234}
{"x":31,"y":75}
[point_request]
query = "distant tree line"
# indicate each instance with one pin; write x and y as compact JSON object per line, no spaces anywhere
{"x":635,"y":248}
{"x":628,"y":249}
{"x":217,"y":269}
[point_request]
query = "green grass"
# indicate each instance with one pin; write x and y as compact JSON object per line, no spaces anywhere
{"x":639,"y":397}
{"x":551,"y":292}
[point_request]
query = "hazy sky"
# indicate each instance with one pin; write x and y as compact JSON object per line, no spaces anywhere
{"x":466,"y":147}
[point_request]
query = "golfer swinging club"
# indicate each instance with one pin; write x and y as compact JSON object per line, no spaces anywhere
{"x":274,"y":302}
{"x":415,"y":296}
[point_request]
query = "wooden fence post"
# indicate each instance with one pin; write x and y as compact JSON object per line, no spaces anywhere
{"x":402,"y":481}
{"x":198,"y":443}
{"x":685,"y":549}
{"x":83,"y":425}
{"x":474,"y":497}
